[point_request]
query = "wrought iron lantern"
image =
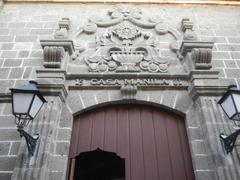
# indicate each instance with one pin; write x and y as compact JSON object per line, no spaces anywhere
{"x":26,"y":103}
{"x":230,"y":103}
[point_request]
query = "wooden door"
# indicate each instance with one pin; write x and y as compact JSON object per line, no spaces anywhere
{"x":153,"y":142}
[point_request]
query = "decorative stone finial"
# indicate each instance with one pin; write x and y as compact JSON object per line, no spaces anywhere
{"x":64,"y":26}
{"x":187,"y":28}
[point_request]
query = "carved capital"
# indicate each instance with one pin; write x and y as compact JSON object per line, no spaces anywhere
{"x":129,"y":91}
{"x":202,"y":58}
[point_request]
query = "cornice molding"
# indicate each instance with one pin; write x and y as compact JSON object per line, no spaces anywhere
{"x":191,"y":2}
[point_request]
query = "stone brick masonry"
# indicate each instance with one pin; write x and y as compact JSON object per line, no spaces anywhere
{"x":23,"y":25}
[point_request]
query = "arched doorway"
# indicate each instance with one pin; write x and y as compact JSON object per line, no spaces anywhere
{"x":153,"y":142}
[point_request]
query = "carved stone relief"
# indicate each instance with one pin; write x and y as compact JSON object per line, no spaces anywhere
{"x":125,"y":42}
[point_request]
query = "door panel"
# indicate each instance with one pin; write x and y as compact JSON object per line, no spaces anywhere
{"x":153,"y":143}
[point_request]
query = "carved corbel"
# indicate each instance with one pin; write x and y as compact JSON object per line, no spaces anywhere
{"x":56,"y":52}
{"x":200,"y":53}
{"x":128,"y":91}
{"x":53,"y":56}
{"x":202,"y":58}
{"x":187,"y":28}
{"x":62,"y":32}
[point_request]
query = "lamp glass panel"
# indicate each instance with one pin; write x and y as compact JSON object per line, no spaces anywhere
{"x":236,"y":98}
{"x":21,"y":102}
{"x":228,"y":106}
{"x":37,"y":104}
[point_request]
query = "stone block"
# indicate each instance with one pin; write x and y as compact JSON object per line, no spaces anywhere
{"x":56,"y":176}
{"x":220,"y":55}
{"x":4,"y":31}
{"x":1,"y":62}
{"x":5,"y":85}
{"x":235,"y":55}
{"x":183,"y":101}
{"x":16,"y":73}
{"x":9,"y":54}
{"x":101,"y":96}
{"x":3,"y":24}
{"x":205,"y":175}
{"x":17,"y":25}
{"x":228,"y":47}
{"x":213,"y":39}
{"x":232,"y":73}
{"x":198,"y":147}
{"x":58,"y":163}
{"x":74,"y":102}
{"x":62,"y":148}
{"x":7,"y":46}
{"x":169,"y":98}
{"x":50,"y":18}
{"x":64,"y":134}
{"x":6,"y":38}
{"x":19,"y":32}
{"x":7,"y":121}
{"x":5,"y":175}
{"x":51,"y":25}
{"x":195,"y":133}
{"x":4,"y":148}
{"x":226,"y":32}
{"x":7,"y":163}
{"x":34,"y":25}
{"x":230,"y":64}
{"x":217,"y":64}
{"x":66,"y":118}
{"x":32,"y":62}
{"x":23,"y":54}
{"x":221,"y":72}
{"x":15,"y":147}
{"x":22,"y":46}
{"x":36,"y":54}
{"x":202,"y":162}
{"x":9,"y":135}
{"x":27,"y":73}
{"x":233,"y":39}
{"x":12,"y":62}
{"x":41,"y":31}
{"x":4,"y":73}
{"x":25,"y":38}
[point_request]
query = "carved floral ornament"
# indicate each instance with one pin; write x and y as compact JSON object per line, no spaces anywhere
{"x":127,"y":41}
{"x":127,"y":45}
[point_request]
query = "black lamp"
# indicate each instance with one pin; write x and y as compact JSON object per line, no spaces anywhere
{"x":230,"y":103}
{"x":26,"y":103}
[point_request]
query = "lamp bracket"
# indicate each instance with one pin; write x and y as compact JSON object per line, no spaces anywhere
{"x":30,"y":140}
{"x":228,"y":142}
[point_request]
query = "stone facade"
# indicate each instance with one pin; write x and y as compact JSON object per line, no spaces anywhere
{"x":194,"y":56}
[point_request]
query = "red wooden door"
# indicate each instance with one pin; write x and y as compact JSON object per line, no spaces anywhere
{"x":153,"y":142}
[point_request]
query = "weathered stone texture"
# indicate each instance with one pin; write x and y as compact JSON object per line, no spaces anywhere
{"x":23,"y":25}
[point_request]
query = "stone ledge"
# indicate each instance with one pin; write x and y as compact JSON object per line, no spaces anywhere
{"x":197,"y":2}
